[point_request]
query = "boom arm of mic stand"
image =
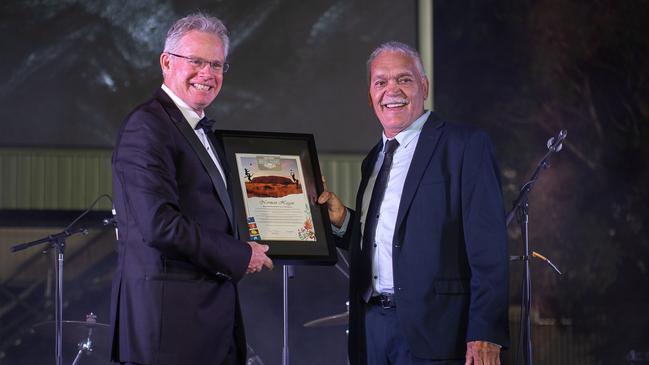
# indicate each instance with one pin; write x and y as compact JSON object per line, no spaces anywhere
{"x":522,"y":195}
{"x":53,"y":239}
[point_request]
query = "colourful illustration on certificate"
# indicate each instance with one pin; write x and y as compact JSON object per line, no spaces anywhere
{"x":275,"y":199}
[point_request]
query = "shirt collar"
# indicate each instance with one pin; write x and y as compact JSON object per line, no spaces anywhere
{"x":407,"y":135}
{"x":190,"y":115}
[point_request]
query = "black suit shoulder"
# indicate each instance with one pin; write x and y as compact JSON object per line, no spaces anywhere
{"x":148,"y":111}
{"x":466,"y":141}
{"x":461,"y":131}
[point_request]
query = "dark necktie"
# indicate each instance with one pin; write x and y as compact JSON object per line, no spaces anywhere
{"x":206,"y":125}
{"x":372,"y":218}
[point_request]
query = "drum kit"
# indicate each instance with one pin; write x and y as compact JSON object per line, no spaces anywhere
{"x":92,"y":338}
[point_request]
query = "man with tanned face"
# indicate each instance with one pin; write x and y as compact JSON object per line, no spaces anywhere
{"x":429,"y":263}
{"x":174,"y":297}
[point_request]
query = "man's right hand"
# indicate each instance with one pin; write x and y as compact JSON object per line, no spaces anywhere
{"x":258,"y":259}
{"x":335,"y":206}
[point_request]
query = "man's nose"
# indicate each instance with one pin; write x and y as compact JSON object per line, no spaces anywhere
{"x":393,"y":88}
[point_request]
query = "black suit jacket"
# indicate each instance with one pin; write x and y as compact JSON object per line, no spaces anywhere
{"x":449,"y":252}
{"x":174,"y":298}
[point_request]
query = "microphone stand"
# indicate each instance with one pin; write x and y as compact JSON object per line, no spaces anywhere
{"x":57,"y":241}
{"x":521,"y":206}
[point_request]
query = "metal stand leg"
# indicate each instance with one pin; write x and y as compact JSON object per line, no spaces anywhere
{"x":59,"y":303}
{"x":527,"y":290}
{"x":288,"y":274}
{"x":285,"y":359}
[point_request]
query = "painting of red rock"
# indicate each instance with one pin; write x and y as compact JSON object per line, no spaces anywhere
{"x":272,"y":187}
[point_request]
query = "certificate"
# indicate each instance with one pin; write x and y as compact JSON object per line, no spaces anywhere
{"x":275,"y":182}
{"x":274,"y":195}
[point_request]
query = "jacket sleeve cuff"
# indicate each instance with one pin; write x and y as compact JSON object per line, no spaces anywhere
{"x":340,"y":232}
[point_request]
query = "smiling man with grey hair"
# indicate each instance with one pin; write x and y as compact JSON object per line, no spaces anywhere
{"x":429,"y":265}
{"x":174,"y":298}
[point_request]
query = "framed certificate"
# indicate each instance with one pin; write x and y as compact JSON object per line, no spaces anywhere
{"x":275,"y":183}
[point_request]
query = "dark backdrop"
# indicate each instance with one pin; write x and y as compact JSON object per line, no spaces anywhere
{"x":522,"y":70}
{"x":74,"y":69}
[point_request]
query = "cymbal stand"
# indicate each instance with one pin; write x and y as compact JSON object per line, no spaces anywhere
{"x":86,"y":347}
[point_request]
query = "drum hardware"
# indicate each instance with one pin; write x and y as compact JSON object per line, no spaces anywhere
{"x":339,"y":319}
{"x":57,"y":241}
{"x":93,"y":331}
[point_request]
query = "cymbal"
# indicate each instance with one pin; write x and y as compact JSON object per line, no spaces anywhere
{"x":76,"y":331}
{"x":72,"y":324}
{"x":333,"y":320}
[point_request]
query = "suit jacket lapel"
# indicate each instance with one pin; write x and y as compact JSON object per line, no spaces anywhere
{"x":366,"y":172}
{"x":189,"y":134}
{"x":231,"y":182}
{"x":426,"y":145}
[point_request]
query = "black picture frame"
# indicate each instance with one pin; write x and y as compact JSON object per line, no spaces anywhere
{"x":320,"y":251}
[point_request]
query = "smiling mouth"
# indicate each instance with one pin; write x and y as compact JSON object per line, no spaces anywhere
{"x":202,"y":87}
{"x":394,"y":104}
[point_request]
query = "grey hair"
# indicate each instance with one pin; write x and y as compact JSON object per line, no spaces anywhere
{"x":200,"y":22}
{"x":398,"y":47}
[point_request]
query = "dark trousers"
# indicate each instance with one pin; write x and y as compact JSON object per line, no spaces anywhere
{"x":386,"y":344}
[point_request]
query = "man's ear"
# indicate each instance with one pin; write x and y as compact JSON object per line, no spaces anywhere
{"x":165,"y":62}
{"x":425,"y":82}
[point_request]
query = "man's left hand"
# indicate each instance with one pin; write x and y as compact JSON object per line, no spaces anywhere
{"x":482,"y":353}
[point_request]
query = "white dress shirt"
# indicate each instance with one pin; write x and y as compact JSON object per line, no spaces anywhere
{"x":193,"y":118}
{"x":382,"y":279}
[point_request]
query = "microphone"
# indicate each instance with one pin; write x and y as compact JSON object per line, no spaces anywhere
{"x":554,"y":143}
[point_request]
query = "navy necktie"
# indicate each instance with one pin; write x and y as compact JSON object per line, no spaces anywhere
{"x":372,"y":218}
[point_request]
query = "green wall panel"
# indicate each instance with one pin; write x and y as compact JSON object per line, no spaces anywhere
{"x":57,"y":179}
{"x":71,"y":179}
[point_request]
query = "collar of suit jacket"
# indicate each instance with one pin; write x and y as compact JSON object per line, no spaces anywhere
{"x":190,"y":115}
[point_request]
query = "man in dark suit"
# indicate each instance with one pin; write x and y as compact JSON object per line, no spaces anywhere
{"x":174,"y":297}
{"x":429,"y":264}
